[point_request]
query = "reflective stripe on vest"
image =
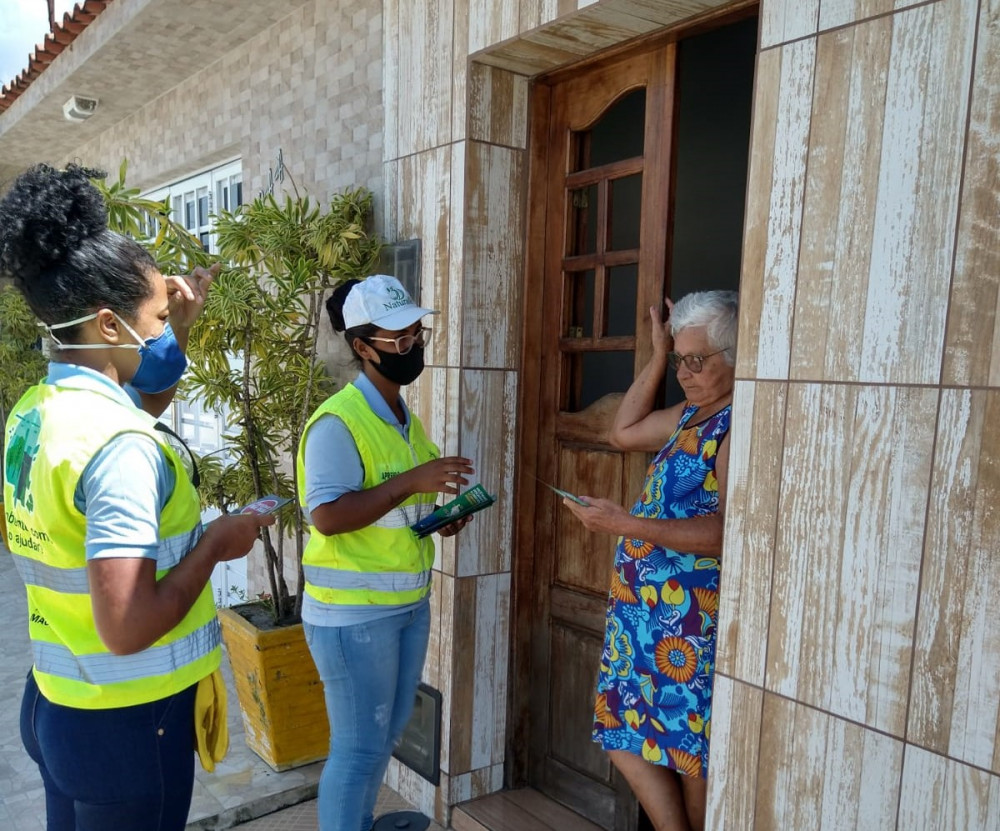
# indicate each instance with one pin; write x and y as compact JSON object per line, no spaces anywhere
{"x":381,"y":581}
{"x":100,"y":669}
{"x":75,"y":581}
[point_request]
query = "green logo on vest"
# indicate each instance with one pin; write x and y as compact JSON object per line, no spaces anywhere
{"x":22,"y":447}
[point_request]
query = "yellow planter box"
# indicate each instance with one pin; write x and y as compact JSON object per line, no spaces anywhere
{"x":279,"y":691}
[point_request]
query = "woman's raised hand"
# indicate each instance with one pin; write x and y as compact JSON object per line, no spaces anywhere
{"x":187,"y":293}
{"x":663,"y":341}
{"x":445,"y":475}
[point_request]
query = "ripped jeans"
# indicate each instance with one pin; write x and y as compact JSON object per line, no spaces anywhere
{"x":370,"y":673}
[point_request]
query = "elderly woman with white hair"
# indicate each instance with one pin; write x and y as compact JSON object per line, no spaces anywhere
{"x":654,"y":692}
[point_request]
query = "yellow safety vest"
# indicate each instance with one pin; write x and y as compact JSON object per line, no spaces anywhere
{"x":384,"y":563}
{"x":52,"y":434}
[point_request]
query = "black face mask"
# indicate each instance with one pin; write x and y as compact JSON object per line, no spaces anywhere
{"x":400,"y":369}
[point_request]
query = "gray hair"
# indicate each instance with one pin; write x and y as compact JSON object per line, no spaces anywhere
{"x":717,"y":311}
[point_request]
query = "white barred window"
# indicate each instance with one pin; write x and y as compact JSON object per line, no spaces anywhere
{"x":194,"y":201}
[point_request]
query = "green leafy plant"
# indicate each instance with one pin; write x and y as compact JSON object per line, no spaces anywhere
{"x":254,"y":351}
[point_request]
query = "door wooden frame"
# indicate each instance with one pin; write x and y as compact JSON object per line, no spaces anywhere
{"x":523,"y":562}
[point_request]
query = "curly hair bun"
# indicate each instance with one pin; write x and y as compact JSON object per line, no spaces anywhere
{"x":46,"y":215}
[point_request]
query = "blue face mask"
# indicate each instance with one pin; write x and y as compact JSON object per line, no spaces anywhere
{"x":161,"y":361}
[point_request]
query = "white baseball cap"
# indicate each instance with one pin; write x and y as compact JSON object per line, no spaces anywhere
{"x":381,"y":300}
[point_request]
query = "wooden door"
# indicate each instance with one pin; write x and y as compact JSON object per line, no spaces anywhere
{"x":606,"y":194}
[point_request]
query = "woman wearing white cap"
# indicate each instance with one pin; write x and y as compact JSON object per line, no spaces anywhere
{"x":367,"y":472}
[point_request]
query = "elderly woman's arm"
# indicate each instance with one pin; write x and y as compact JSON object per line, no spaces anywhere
{"x":697,"y":535}
{"x":637,"y":425}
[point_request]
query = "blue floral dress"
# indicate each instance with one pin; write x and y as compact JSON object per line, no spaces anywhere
{"x":654,"y":691}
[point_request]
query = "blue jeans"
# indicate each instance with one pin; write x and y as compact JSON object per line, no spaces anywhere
{"x":370,"y":673}
{"x":126,"y":769}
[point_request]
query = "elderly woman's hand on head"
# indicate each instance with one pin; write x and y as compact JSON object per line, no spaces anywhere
{"x":663,"y":340}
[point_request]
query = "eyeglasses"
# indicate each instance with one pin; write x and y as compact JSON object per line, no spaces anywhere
{"x":693,"y":362}
{"x":404,"y":343}
{"x":187,"y":457}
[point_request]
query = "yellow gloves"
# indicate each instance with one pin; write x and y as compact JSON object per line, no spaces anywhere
{"x":210,"y":729}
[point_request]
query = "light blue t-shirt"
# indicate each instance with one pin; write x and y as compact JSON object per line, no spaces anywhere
{"x":333,"y":467}
{"x":125,"y":485}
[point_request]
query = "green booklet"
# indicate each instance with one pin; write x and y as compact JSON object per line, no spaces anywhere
{"x":466,"y":504}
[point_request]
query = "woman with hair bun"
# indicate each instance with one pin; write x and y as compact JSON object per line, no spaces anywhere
{"x":104,"y":521}
{"x":367,"y":472}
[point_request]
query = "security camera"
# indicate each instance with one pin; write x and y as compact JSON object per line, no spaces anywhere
{"x":79,"y":108}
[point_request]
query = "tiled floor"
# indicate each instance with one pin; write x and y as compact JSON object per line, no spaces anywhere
{"x":241,"y":787}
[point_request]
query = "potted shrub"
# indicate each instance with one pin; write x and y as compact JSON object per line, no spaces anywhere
{"x":254,"y":355}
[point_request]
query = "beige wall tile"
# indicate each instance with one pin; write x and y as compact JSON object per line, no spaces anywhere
{"x":391,"y":78}
{"x":955,"y":706}
{"x":841,"y":189}
{"x":479,"y":680}
{"x":491,"y":21}
{"x":498,"y":106}
{"x":416,"y":790}
{"x":423,"y":211}
{"x":494,"y":256}
{"x":972,"y":348}
{"x":460,"y":71}
{"x":736,"y":722}
{"x":785,"y":20}
{"x":475,"y":784}
{"x":434,"y":398}
{"x":446,"y":585}
{"x":842,"y":12}
{"x":805,"y":780}
{"x":946,"y":795}
{"x":784,"y":212}
{"x":437,"y":670}
{"x":456,"y":254}
{"x":488,"y":422}
{"x":663,"y":13}
{"x":857,"y":465}
{"x":422,"y":54}
{"x":923,"y":136}
{"x":751,"y":525}
{"x":762,"y":138}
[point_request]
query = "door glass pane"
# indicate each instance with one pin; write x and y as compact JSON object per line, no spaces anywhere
{"x":583,"y":220}
{"x":626,"y":202}
{"x":623,"y":282}
{"x":620,"y":132}
{"x":712,"y":134}
{"x":597,"y":374}
{"x":580,"y":300}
